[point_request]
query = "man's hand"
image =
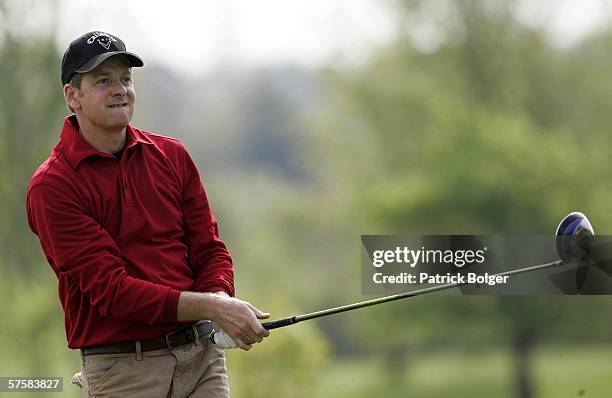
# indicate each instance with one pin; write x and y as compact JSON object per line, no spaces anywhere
{"x":240,"y":320}
{"x":237,"y":317}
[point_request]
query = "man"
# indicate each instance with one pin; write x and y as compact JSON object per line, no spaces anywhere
{"x":124,"y":222}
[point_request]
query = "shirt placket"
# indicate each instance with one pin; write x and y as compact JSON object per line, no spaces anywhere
{"x":127,"y":190}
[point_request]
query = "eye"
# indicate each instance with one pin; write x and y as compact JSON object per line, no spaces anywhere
{"x":127,"y":80}
{"x":103,"y":82}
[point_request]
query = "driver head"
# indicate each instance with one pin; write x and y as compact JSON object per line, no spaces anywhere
{"x":574,"y":236}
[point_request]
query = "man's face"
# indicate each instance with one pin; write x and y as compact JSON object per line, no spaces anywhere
{"x":106,"y":96}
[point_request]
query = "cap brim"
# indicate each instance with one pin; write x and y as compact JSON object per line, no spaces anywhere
{"x":93,"y":63}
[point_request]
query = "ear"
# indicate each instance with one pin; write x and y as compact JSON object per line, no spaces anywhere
{"x":71,"y":96}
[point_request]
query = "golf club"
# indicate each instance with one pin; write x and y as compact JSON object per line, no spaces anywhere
{"x":574,"y":236}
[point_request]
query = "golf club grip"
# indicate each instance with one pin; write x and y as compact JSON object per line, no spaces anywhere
{"x":279,"y":323}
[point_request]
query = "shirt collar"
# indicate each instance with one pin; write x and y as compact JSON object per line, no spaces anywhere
{"x":77,"y":149}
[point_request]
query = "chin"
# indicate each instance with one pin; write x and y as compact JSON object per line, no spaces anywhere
{"x":119,"y":122}
{"x":116,"y":125}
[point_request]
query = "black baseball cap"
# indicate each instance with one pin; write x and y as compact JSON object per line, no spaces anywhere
{"x":85,"y":53}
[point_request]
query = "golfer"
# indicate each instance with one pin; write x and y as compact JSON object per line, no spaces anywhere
{"x":124,"y":222}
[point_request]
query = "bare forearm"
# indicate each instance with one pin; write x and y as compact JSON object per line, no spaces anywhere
{"x":194,"y":306}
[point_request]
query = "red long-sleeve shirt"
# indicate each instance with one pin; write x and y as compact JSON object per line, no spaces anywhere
{"x":125,"y":236}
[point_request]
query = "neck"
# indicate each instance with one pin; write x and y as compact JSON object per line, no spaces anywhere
{"x":107,"y":141}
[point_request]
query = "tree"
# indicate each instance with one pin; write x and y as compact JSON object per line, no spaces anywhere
{"x":478,"y":135}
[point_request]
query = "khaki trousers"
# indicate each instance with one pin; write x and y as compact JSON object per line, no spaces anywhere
{"x":188,"y":371}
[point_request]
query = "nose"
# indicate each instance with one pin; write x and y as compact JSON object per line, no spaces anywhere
{"x":118,"y":89}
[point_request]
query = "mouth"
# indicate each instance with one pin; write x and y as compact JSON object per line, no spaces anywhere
{"x":120,"y":105}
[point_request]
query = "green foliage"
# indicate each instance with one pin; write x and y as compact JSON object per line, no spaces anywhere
{"x":480,"y":136}
{"x":287,"y":365}
{"x":33,"y":330}
{"x":31,"y":109}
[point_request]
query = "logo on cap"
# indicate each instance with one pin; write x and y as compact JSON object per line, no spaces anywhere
{"x":103,"y":39}
{"x":83,"y":55}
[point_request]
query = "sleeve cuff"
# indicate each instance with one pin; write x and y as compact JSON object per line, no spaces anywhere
{"x":171,"y":309}
{"x":219,"y":287}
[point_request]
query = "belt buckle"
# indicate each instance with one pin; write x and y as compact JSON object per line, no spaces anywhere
{"x":172,"y":334}
{"x":168,"y":344}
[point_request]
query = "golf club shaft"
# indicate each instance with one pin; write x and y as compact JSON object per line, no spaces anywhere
{"x":279,"y":323}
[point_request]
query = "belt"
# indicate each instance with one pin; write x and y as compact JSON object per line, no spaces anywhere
{"x":172,"y":340}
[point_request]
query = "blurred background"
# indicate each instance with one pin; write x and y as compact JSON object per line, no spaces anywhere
{"x":315,"y":122}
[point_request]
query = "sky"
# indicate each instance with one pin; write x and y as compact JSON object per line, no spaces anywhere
{"x":566,"y":21}
{"x":197,"y":36}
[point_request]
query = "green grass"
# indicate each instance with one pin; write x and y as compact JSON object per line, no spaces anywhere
{"x":574,"y":372}
{"x":557,"y":372}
